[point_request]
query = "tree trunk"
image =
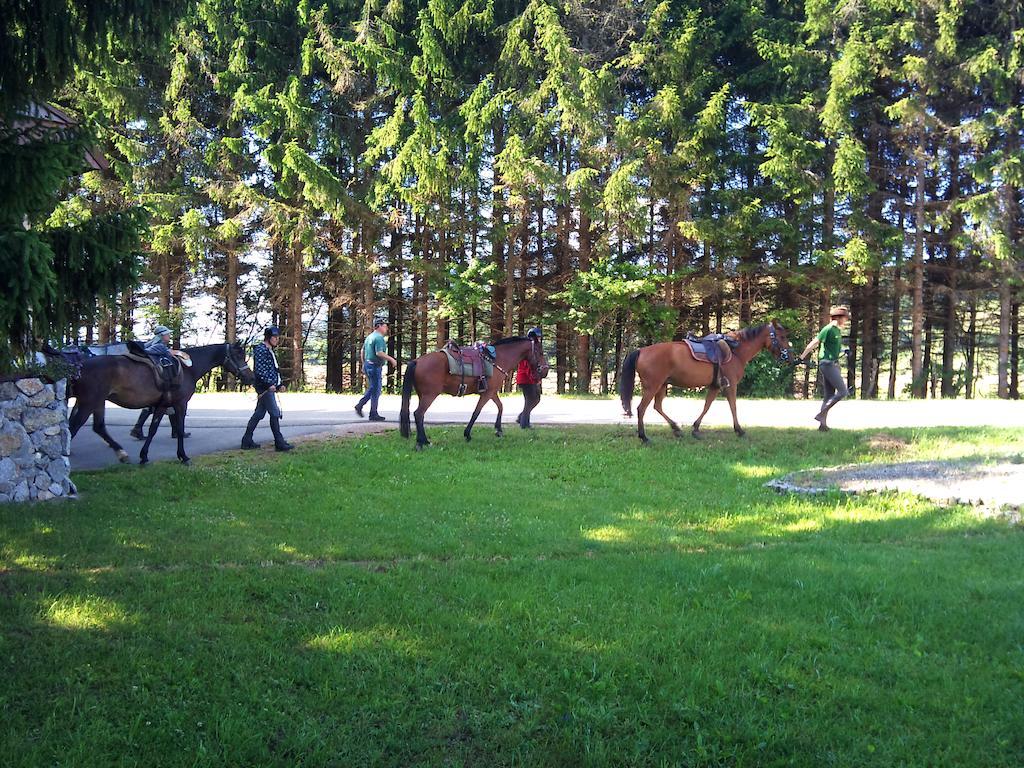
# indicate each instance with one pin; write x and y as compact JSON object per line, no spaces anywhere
{"x":917,"y":275}
{"x":972,"y":346}
{"x":231,"y":294}
{"x":1015,"y":347}
{"x":296,"y":291}
{"x":583,"y":372}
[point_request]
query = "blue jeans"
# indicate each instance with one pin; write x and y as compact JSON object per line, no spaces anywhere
{"x":374,"y":385}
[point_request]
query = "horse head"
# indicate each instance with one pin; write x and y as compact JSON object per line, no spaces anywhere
{"x":235,"y":363}
{"x":538,"y":360}
{"x":778,"y":341}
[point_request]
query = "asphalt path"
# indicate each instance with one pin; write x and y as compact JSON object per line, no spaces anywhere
{"x":217,"y":421}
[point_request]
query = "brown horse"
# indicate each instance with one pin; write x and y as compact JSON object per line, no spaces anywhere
{"x":132,"y":385}
{"x":671,"y":362}
{"x":429,"y":376}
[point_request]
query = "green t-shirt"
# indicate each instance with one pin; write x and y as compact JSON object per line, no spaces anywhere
{"x":831,"y":339}
{"x":374,"y":343}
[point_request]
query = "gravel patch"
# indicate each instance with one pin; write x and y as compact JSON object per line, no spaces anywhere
{"x":996,"y":485}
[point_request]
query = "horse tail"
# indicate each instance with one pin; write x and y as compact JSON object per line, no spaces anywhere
{"x":408,"y":382}
{"x":627,"y":380}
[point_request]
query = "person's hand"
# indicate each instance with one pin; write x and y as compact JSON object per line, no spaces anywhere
{"x":394,"y":363}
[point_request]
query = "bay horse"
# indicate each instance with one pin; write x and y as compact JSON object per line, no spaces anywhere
{"x":672,"y":362}
{"x":131,"y":384}
{"x":429,"y":376}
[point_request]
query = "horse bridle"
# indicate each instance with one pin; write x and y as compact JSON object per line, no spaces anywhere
{"x":782,"y":354}
{"x":228,"y":358}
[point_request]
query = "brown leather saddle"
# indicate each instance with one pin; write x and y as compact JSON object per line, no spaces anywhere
{"x":166,"y":369}
{"x":475,"y":363}
{"x":716,"y":349}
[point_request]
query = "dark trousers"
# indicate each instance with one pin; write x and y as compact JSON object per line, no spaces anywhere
{"x":374,"y":386}
{"x":147,"y":412}
{"x":531,"y":396}
{"x":833,"y":383}
{"x":265,"y":403}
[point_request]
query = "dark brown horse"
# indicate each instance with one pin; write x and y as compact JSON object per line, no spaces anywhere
{"x":131,"y":384}
{"x":429,"y":376}
{"x":671,"y":362}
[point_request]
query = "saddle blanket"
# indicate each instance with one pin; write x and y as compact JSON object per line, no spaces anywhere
{"x":471,"y":362}
{"x":713,"y":349}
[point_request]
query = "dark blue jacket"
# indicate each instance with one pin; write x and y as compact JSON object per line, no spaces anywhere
{"x":264,"y":368}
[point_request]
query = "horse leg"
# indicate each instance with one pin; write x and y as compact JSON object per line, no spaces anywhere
{"x":645,"y":400}
{"x":731,"y":394}
{"x":497,"y":423}
{"x":99,"y":426}
{"x":712,"y":394}
{"x":658,"y":400}
{"x":476,"y":413}
{"x":425,"y":399}
{"x":79,"y":416}
{"x":154,"y":425}
{"x":179,"y":423}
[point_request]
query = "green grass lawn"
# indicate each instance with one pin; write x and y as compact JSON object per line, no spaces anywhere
{"x":559,"y":597}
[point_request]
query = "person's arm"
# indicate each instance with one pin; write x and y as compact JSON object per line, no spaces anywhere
{"x":383,"y":355}
{"x":815,"y":343}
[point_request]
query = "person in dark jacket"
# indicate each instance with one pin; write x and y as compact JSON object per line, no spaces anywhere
{"x":158,"y":346}
{"x":268,"y":384}
{"x":529,"y":384}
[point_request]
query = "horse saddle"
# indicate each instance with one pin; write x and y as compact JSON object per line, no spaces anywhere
{"x":474,"y":363}
{"x":166,"y":368}
{"x":716,"y":349}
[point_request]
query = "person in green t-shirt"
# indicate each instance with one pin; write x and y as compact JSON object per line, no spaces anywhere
{"x":830,"y":339}
{"x":375,"y":354}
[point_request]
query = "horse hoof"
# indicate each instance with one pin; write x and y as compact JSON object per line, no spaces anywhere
{"x":143,"y":462}
{"x":499,"y":434}
{"x":697,"y":435}
{"x":676,"y":433}
{"x":741,"y":433}
{"x":186,"y":462}
{"x":645,"y":441}
{"x":420,"y":446}
{"x":122,"y":456}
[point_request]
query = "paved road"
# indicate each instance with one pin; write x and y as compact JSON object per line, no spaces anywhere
{"x":217,"y":421}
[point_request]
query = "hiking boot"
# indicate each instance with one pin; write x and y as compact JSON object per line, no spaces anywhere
{"x":285,"y":446}
{"x":376,"y":417}
{"x":249,"y":445}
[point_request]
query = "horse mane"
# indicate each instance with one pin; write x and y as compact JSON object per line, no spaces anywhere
{"x":508,"y":340}
{"x":751,"y":332}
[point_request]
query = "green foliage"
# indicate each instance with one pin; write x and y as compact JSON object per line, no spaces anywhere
{"x":466,"y":288}
{"x":610,"y":287}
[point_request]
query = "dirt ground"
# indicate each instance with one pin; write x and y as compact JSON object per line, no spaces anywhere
{"x":993,"y":484}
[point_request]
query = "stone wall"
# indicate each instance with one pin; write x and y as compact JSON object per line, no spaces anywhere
{"x":35,"y":443}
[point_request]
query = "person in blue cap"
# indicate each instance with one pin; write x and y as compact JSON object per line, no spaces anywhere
{"x":268,"y":384}
{"x":159,"y":346}
{"x":529,"y":385}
